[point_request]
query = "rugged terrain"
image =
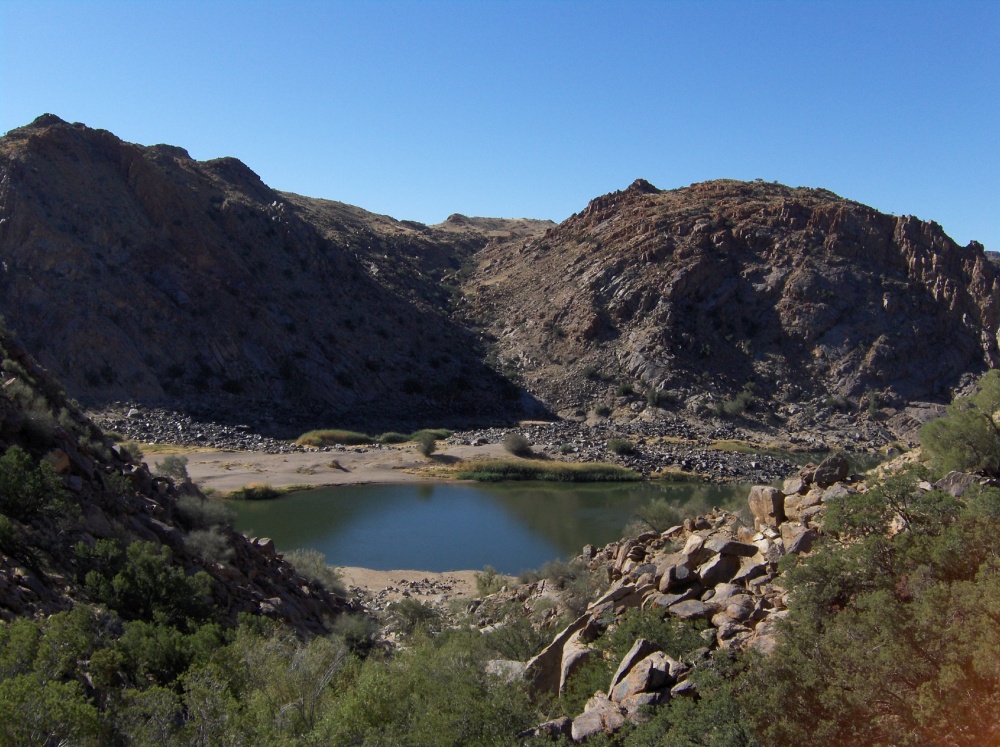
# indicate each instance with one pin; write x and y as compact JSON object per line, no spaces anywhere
{"x":65,"y":489}
{"x":796,"y":299}
{"x":137,"y":274}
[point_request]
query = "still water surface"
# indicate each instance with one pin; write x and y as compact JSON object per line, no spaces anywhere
{"x":443,"y":527}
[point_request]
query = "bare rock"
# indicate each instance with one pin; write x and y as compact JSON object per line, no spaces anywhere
{"x":767,"y":505}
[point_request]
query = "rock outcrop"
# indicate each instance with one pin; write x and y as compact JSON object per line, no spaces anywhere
{"x":713,"y":569}
{"x":789,"y":306}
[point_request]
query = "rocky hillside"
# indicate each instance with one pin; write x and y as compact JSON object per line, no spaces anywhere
{"x":137,"y":272}
{"x":750,"y":299}
{"x":81,"y":520}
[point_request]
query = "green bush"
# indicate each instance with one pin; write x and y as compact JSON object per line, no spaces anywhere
{"x":28,"y":489}
{"x":426,"y":443}
{"x":660,"y":398}
{"x":967,"y":437}
{"x":311,"y":564}
{"x":174,"y":466}
{"x":203,"y":513}
{"x":489,"y":581}
{"x":209,"y":545}
{"x":258,"y":491}
{"x":329,"y":437}
{"x":621,"y":446}
{"x":392,"y":437}
{"x":625,"y":389}
{"x":517,"y":444}
{"x":602,"y":411}
{"x":140,"y":582}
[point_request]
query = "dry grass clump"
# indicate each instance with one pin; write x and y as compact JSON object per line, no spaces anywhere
{"x":497,"y":470}
{"x":331,"y":436}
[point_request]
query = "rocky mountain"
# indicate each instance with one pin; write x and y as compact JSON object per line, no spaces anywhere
{"x":746,"y":298}
{"x":82,"y":520}
{"x":137,"y":272}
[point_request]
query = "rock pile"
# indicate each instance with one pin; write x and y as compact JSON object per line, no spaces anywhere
{"x":713,"y":569}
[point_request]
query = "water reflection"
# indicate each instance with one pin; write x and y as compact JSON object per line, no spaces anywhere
{"x":440,"y":527}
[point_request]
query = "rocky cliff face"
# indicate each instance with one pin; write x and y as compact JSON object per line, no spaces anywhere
{"x":138,"y":272}
{"x":64,"y":487}
{"x":793,"y":295}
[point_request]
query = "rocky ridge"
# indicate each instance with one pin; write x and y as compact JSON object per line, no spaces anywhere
{"x":784,"y":307}
{"x":138,"y":273}
{"x":789,"y":311}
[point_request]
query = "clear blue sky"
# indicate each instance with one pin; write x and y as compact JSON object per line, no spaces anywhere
{"x":421,"y":109}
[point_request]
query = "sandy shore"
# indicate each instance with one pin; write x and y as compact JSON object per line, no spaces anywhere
{"x":424,"y":586}
{"x":225,"y":471}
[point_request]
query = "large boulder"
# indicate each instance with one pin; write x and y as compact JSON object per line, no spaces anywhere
{"x":767,"y":504}
{"x":832,"y":469}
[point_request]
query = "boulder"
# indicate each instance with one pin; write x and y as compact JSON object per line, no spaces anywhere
{"x":831,"y":470}
{"x":767,"y":505}
{"x":726,"y":546}
{"x":797,"y":537}
{"x":639,"y":651}
{"x":599,"y":715}
{"x":649,"y":674}
{"x":635,"y":705}
{"x":543,"y":671}
{"x":691,"y":609}
{"x":575,"y":655}
{"x":719,"y":569}
{"x":956,"y":483}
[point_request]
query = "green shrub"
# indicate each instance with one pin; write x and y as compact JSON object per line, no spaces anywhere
{"x":967,"y":437}
{"x":621,"y":446}
{"x":497,"y":470}
{"x":392,"y":437}
{"x":330,"y":437}
{"x":660,"y":398}
{"x":409,"y":615}
{"x":602,"y":411}
{"x":210,"y":545}
{"x":311,"y":564}
{"x":258,"y":491}
{"x":174,"y":466}
{"x":140,"y":582}
{"x":203,"y":513}
{"x":426,"y":443}
{"x":567,"y":448}
{"x":625,"y":389}
{"x":28,"y":490}
{"x":517,"y":444}
{"x":490,"y":581}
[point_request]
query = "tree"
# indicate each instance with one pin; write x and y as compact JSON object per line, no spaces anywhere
{"x":967,"y":438}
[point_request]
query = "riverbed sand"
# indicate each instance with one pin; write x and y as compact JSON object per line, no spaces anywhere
{"x":225,"y":471}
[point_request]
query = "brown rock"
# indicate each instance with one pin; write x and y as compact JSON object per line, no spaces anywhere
{"x":768,"y":506}
{"x":832,"y":469}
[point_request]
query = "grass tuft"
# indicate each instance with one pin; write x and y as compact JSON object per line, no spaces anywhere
{"x":497,"y":470}
{"x":334,"y":436}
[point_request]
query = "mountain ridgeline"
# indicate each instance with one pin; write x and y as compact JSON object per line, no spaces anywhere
{"x":139,"y":273}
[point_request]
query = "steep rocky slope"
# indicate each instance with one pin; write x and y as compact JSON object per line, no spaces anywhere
{"x":138,"y":272}
{"x":65,"y":488}
{"x":794,"y":296}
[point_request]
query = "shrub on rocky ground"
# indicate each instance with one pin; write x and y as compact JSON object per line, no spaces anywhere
{"x":517,"y":444}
